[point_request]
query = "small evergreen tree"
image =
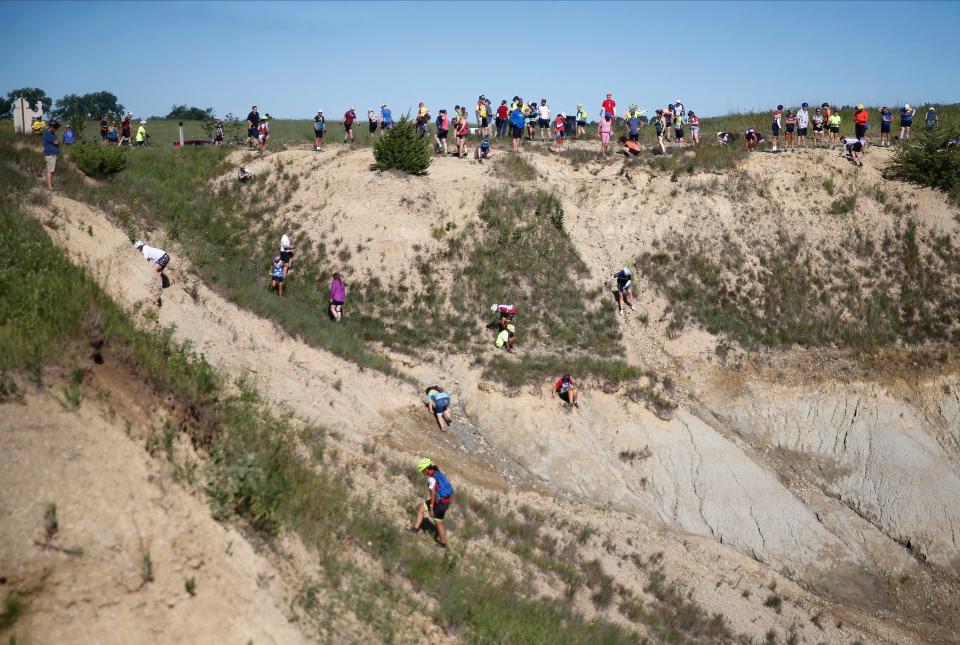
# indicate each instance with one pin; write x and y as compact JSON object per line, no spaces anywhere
{"x":401,"y":149}
{"x":98,"y":161}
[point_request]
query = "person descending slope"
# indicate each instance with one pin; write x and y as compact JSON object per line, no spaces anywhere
{"x":338,"y":296}
{"x":277,"y":275}
{"x":159,"y":258}
{"x":506,"y":338}
{"x":438,"y":502}
{"x":624,"y":288}
{"x":566,"y":390}
{"x":437,"y":402}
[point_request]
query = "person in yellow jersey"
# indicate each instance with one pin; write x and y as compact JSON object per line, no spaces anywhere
{"x":141,"y":138}
{"x":483,"y":117}
{"x":581,"y":120}
{"x":833,"y":123}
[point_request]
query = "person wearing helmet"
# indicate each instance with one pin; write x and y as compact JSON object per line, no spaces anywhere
{"x":860,"y":121}
{"x":125,"y":129}
{"x":244,"y":175}
{"x":483,"y":150}
{"x":218,"y":132}
{"x":775,"y":127}
{"x":506,"y":338}
{"x":505,"y":314}
{"x":906,"y":121}
{"x":373,"y":122}
{"x":338,"y":296}
{"x":437,"y":503}
{"x":159,"y":257}
{"x":667,"y":122}
{"x":886,"y":120}
{"x":817,"y":128}
{"x":141,"y":137}
{"x":694,"y":121}
{"x":423,"y":117}
{"x":386,"y":118}
{"x":51,"y":150}
{"x":726,"y":138}
{"x":790,"y":125}
{"x":624,"y":288}
{"x":752,"y":138}
{"x":803,"y":124}
{"x":833,"y":123}
{"x":633,"y":123}
{"x":543,"y":120}
{"x":263,"y":133}
{"x":437,"y":402}
{"x":932,"y":120}
{"x":581,"y":120}
{"x":566,"y":390}
{"x":277,"y":275}
{"x":319,"y":123}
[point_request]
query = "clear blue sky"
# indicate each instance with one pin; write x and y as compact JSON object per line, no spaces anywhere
{"x":293,"y":58}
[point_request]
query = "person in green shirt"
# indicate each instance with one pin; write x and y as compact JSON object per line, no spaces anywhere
{"x":834,"y":124}
{"x":506,"y":338}
{"x":142,"y":135}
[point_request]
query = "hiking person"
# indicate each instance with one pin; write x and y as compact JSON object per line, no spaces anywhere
{"x":533,"y":114}
{"x":463,"y":129}
{"x":38,"y":126}
{"x":566,"y":390}
{"x":906,"y":120}
{"x":263,"y":136}
{"x":624,"y":288}
{"x":503,"y":113}
{"x":443,"y":127}
{"x":506,"y":338}
{"x":659,"y":123}
{"x":483,"y":116}
{"x":726,"y":138}
{"x":253,"y":122}
{"x":286,"y":251}
{"x":423,"y":115}
{"x":677,"y":127}
{"x":159,"y":257}
{"x":678,"y":108}
{"x":632,"y":118}
{"x":609,"y":106}
{"x":853,"y":148}
{"x":630,"y":148}
{"x":141,"y":137}
{"x":386,"y":118}
{"x":69,"y":136}
{"x":543,"y":120}
{"x":348,"y":118}
{"x":932,"y":120}
{"x":516,"y":126}
{"x":124,"y":129}
{"x":104,"y":128}
{"x":833,"y":123}
{"x":886,"y":120}
{"x":694,"y":122}
{"x":803,"y":124}
{"x":217,"y":132}
{"x":604,"y":130}
{"x":791,"y":130}
{"x":775,"y":127}
{"x":667,"y":122}
{"x":581,"y":120}
{"x":817,"y":128}
{"x":505,"y":314}
{"x":860,"y":121}
{"x":338,"y":295}
{"x":51,"y":150}
{"x":319,"y":126}
{"x":278,"y":275}
{"x":437,"y":504}
{"x":752,"y":138}
{"x":483,"y":150}
{"x":437,"y":402}
{"x":561,"y":129}
{"x":244,"y":175}
{"x":373,"y":122}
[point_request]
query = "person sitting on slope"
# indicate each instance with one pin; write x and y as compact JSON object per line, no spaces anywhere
{"x":565,"y":389}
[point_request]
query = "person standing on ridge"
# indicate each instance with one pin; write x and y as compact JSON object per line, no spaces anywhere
{"x":443,"y":127}
{"x":932,"y":120}
{"x":516,"y":126}
{"x":791,"y":130}
{"x":632,"y":117}
{"x":775,"y":127}
{"x":483,"y":116}
{"x":886,"y":120}
{"x":51,"y":150}
{"x":373,"y":121}
{"x":834,"y":124}
{"x":860,"y":122}
{"x":694,"y":122}
{"x":141,"y":137}
{"x":803,"y":124}
{"x":817,"y":128}
{"x":423,"y":115}
{"x":561,"y":127}
{"x":264,"y":132}
{"x":906,"y":121}
{"x":543,"y":120}
{"x":348,"y":118}
{"x":604,"y":131}
{"x":581,"y":120}
{"x":438,"y":502}
{"x":463,"y":129}
{"x":253,"y":123}
{"x":319,"y":123}
{"x":125,"y":129}
{"x":503,"y":113}
{"x":217,"y":132}
{"x":609,"y":106}
{"x":386,"y":118}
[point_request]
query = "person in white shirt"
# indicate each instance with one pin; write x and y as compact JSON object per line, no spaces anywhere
{"x":803,"y":122}
{"x":286,"y":251}
{"x":159,"y":257}
{"x":543,"y":120}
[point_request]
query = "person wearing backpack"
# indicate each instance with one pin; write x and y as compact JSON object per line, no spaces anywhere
{"x":437,"y":402}
{"x":437,"y":504}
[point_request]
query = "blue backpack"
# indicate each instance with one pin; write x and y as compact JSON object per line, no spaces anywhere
{"x":444,"y":489}
{"x":69,"y":136}
{"x":516,"y":118}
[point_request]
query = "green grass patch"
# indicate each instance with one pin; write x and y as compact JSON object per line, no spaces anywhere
{"x":925,"y":159}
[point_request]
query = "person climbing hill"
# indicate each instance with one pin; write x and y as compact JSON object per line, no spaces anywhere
{"x":505,"y":314}
{"x":624,"y":288}
{"x":437,"y":503}
{"x":566,"y":390}
{"x":277,"y":275}
{"x":338,"y":295}
{"x":437,"y":402}
{"x":506,"y":338}
{"x":160,"y":260}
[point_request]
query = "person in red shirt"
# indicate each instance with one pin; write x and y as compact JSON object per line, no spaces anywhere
{"x":560,"y":126}
{"x":565,"y":389}
{"x":609,"y":105}
{"x":348,"y":118}
{"x":860,"y":119}
{"x":503,"y":113}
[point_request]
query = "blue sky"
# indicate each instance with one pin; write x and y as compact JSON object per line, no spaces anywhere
{"x":293,"y":58}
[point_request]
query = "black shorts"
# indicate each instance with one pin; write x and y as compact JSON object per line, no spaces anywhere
{"x":318,"y":134}
{"x":373,"y":127}
{"x":219,"y":137}
{"x":855,"y":147}
{"x":442,"y":134}
{"x":383,"y":125}
{"x":885,"y":128}
{"x":581,"y":123}
{"x":544,"y":123}
{"x":817,"y":129}
{"x":564,"y":396}
{"x":500,"y":122}
{"x":163,"y":261}
{"x":252,"y":132}
{"x":776,"y":129}
{"x":802,"y":132}
{"x":348,"y":127}
{"x":439,"y":508}
{"x":516,"y":132}
{"x":790,"y":128}
{"x":860,"y":130}
{"x":906,"y":124}
{"x":286,"y":256}
{"x":277,"y":278}
{"x":338,"y":303}
{"x":834,"y":129}
{"x":484,"y":122}
{"x":634,"y":136}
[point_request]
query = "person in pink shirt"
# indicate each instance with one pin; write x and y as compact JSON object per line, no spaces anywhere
{"x":560,"y":127}
{"x":604,"y":129}
{"x":338,"y":295}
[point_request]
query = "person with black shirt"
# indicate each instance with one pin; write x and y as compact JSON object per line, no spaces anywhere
{"x":253,"y":126}
{"x":104,"y":128}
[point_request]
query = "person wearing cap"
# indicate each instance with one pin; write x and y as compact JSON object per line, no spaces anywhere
{"x":678,"y":108}
{"x":483,"y":116}
{"x":803,"y":124}
{"x":278,"y":275}
{"x":566,"y":390}
{"x":438,"y":501}
{"x":886,"y":120}
{"x":263,"y":133}
{"x":437,"y":402}
{"x":348,"y":118}
{"x":253,"y":123}
{"x":906,"y":121}
{"x":725,"y":138}
{"x":581,"y":120}
{"x":860,"y":121}
{"x":752,"y":138}
{"x":609,"y":106}
{"x":506,"y":338}
{"x":932,"y":120}
{"x":319,"y":123}
{"x":141,"y":137}
{"x":386,"y":118}
{"x":159,"y":257}
{"x":624,"y":288}
{"x":244,"y":175}
{"x":51,"y":150}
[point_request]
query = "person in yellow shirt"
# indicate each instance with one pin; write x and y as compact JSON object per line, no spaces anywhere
{"x":834,"y":124}
{"x":581,"y":119}
{"x":141,"y":138}
{"x":483,"y":118}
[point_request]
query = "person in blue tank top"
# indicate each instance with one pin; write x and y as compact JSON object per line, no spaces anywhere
{"x":386,"y":118}
{"x":437,"y":504}
{"x":278,"y":275}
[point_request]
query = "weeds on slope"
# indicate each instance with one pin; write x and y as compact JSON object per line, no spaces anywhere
{"x":925,"y":159}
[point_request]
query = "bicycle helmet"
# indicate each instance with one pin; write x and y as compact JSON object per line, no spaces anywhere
{"x":138,"y":244}
{"x":805,"y":105}
{"x":626,"y":271}
{"x":425,"y":463}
